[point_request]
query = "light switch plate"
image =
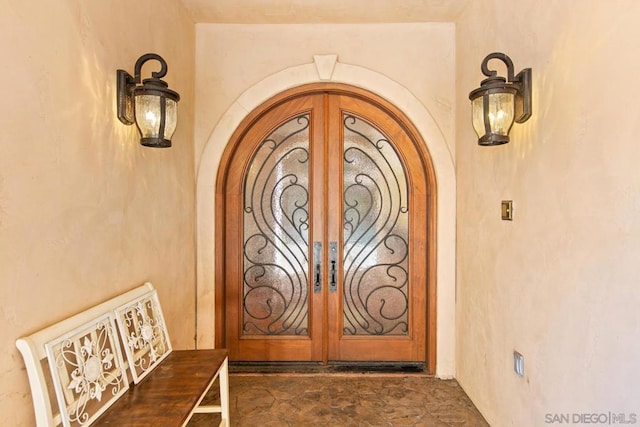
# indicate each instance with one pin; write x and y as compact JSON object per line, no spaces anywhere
{"x":507,"y":210}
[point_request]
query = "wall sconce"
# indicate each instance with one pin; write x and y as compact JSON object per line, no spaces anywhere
{"x":152,"y":106}
{"x":499,"y":101}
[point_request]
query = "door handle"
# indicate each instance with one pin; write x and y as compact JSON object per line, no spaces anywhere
{"x":317,"y":261}
{"x":333,"y":259}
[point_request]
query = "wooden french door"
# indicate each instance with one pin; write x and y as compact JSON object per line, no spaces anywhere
{"x":326,"y":228}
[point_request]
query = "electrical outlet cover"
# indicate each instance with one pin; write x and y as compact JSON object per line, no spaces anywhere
{"x":518,"y":363}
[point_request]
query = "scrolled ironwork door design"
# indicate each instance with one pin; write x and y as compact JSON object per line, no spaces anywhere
{"x":325,"y":234}
{"x":376,"y":248}
{"x":276,"y":233}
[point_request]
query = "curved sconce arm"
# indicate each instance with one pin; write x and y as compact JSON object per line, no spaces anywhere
{"x":148,"y":57}
{"x":502,"y":57}
{"x":522,"y":82}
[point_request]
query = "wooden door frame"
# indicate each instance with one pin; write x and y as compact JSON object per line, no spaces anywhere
{"x":220,"y":200}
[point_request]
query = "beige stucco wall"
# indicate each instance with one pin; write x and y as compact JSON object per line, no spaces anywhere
{"x":232,"y":58}
{"x":240,"y":66}
{"x":85,"y":211}
{"x":561,"y":282}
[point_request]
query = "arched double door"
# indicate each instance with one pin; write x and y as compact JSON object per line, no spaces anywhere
{"x":326,"y":209}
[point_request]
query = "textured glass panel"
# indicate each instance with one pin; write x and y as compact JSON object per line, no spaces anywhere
{"x":375,"y":233}
{"x":148,"y":115}
{"x":501,"y":113}
{"x":171,"y":120}
{"x":276,"y":233}
{"x":478,"y":116}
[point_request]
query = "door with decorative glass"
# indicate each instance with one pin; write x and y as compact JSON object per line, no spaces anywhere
{"x":326,"y":221}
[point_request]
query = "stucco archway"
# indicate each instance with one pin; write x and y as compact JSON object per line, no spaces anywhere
{"x":327,"y":68}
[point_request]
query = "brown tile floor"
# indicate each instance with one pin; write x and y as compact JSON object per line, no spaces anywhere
{"x":346,"y":400}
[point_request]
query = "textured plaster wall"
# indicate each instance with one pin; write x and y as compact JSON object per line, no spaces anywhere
{"x":561,"y":282}
{"x":85,"y":211}
{"x":239,"y":66}
{"x":231,"y":58}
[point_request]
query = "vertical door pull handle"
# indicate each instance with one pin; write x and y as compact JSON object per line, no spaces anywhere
{"x":333,"y":259}
{"x":333,"y":276}
{"x":317,"y":258}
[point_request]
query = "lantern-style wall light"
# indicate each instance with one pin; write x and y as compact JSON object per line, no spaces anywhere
{"x":499,"y":101}
{"x":152,"y":106}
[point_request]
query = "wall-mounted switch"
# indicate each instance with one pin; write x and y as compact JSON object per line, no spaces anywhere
{"x":518,"y":363}
{"x":507,"y":210}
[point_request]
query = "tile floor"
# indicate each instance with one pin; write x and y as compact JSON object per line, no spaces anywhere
{"x":350,"y":399}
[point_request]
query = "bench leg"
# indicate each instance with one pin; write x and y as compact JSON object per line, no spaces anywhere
{"x":223,"y":380}
{"x":224,"y":392}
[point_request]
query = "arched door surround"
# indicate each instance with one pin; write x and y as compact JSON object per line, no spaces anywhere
{"x":443,"y":167}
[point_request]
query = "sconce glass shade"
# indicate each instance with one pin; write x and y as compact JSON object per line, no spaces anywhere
{"x":499,"y":102}
{"x":156,"y":116}
{"x":152,"y":106}
{"x":494,"y":126}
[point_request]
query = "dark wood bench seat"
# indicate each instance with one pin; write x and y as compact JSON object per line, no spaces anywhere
{"x":169,"y":395}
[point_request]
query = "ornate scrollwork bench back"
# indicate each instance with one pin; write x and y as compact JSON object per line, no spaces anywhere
{"x":82,"y":358}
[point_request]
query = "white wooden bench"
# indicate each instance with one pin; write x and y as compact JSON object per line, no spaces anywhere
{"x":80,"y":361}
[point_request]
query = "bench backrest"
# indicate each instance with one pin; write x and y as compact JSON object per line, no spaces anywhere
{"x":86,"y":367}
{"x":144,"y":334}
{"x":87,"y":370}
